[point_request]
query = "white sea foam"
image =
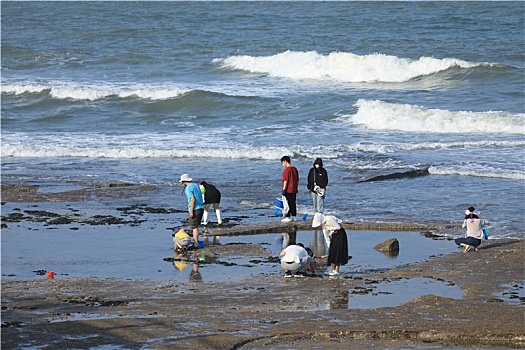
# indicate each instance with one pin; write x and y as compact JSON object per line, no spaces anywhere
{"x":379,"y":115}
{"x":343,"y":66}
{"x":478,"y":171}
{"x":24,"y":150}
{"x":132,"y":146}
{"x":210,"y":144}
{"x":94,"y":91}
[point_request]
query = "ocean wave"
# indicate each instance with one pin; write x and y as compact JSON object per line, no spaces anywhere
{"x":93,"y":92}
{"x":228,"y":143}
{"x":477,"y":171}
{"x":343,"y":66}
{"x":379,"y":115}
{"x":102,"y":90}
{"x":134,"y":152}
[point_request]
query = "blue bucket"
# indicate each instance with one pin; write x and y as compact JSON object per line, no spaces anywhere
{"x":201,"y":244}
{"x":279,"y":203}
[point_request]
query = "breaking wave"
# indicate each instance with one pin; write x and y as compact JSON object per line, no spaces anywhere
{"x":343,"y":66}
{"x":379,"y":115}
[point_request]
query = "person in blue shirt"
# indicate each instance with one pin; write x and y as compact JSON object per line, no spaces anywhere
{"x":195,"y":205}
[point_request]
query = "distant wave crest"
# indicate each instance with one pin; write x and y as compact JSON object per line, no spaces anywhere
{"x":87,"y":149}
{"x":343,"y":66}
{"x":379,"y":115}
{"x":92,"y":92}
{"x":152,"y":145}
{"x":478,"y":172}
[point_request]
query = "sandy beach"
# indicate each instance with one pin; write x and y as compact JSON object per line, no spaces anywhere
{"x":484,"y":309}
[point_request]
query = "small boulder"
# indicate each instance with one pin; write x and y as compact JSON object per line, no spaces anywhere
{"x":390,"y":246}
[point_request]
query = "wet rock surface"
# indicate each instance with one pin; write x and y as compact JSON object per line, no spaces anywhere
{"x":259,"y":312}
{"x":390,"y":246}
{"x":271,"y":312}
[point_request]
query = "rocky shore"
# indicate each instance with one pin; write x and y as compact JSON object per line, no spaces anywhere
{"x":271,"y":312}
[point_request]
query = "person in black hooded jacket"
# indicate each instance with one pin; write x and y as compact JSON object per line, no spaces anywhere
{"x":317,"y":182}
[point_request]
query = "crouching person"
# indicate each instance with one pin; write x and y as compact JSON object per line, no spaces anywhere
{"x":295,"y":260}
{"x":181,"y":240}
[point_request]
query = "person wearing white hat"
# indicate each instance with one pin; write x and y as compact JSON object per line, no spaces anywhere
{"x":195,"y":205}
{"x":338,"y":249}
{"x":318,"y":221}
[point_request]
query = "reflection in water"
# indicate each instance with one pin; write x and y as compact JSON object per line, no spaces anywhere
{"x":214,"y":240}
{"x":391,"y":254}
{"x":290,"y":238}
{"x":180,"y":261}
{"x":320,"y":247}
{"x":195,"y":275}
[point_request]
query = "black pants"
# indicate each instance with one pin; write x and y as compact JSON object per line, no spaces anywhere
{"x":290,"y":197}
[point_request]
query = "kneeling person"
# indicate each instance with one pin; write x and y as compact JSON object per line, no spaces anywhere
{"x":295,"y":260}
{"x":181,"y":240}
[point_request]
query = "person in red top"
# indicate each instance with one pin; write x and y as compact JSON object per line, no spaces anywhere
{"x":290,"y":184}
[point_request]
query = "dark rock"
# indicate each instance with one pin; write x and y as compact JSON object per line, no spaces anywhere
{"x":390,"y":246}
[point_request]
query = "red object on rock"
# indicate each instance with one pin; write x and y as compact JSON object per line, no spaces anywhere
{"x":50,"y":275}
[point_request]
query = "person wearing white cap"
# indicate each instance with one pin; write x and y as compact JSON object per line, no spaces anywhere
{"x":338,"y":248}
{"x":195,"y":205}
{"x":318,"y":222}
{"x":474,"y":233}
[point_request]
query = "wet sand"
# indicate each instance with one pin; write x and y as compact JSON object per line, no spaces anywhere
{"x":271,"y":312}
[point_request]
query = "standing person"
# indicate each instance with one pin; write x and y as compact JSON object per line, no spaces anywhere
{"x":338,"y":251}
{"x":211,"y":195}
{"x":195,"y":206}
{"x":295,"y":260}
{"x":317,"y":182}
{"x":474,"y":233}
{"x":290,"y":184}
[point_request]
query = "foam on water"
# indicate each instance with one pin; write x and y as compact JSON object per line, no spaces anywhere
{"x":228,"y":143}
{"x":379,"y":115}
{"x":94,"y":91}
{"x":343,"y":66}
{"x":479,"y":170}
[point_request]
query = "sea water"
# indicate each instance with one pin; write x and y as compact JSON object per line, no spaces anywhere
{"x":94,"y":92}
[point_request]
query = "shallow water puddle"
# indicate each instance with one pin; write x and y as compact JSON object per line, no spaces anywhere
{"x":390,"y":293}
{"x":117,"y":252}
{"x":513,"y":294}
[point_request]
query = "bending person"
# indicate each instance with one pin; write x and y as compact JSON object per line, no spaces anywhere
{"x":211,"y":195}
{"x":338,"y":251}
{"x":295,"y":260}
